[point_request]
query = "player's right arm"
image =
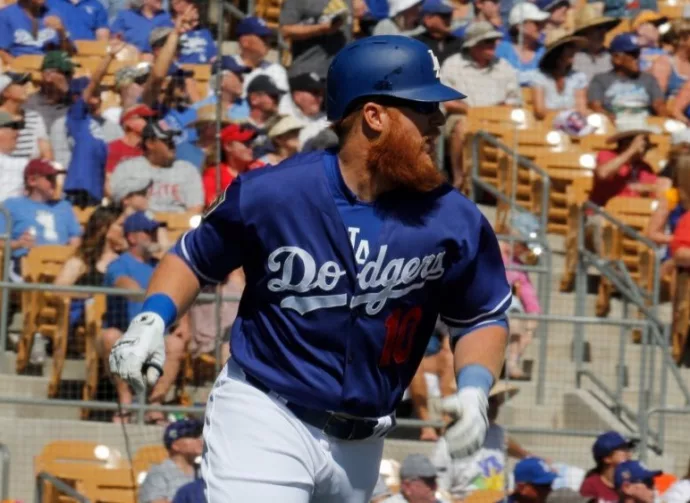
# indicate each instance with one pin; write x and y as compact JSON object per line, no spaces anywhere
{"x":203,"y":256}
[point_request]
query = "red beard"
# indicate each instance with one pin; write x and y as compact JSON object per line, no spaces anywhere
{"x":402,"y":161}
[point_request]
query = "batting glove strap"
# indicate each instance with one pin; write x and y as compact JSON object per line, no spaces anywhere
{"x":467,"y":434}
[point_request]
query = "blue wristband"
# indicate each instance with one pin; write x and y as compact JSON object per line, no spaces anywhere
{"x":476,"y":376}
{"x":163,"y":306}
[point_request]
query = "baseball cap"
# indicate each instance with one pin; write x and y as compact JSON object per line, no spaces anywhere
{"x":9,"y":78}
{"x":526,"y":11}
{"x":625,"y":42}
{"x":141,"y":222}
{"x":7,"y":120}
{"x":417,"y":466}
{"x":230,"y":64}
{"x":60,"y":61}
{"x":395,"y":7}
{"x":436,"y":7}
{"x":159,"y":35}
{"x":632,"y":472}
{"x":182,"y":428}
{"x":307,"y":82}
{"x":648,"y":16}
{"x":253,"y":25}
{"x":533,"y":471}
{"x":236,"y":132}
{"x":608,"y":442}
{"x":137,"y":111}
{"x":264,"y":84}
{"x":159,"y":131}
{"x":39,"y":167}
{"x":128,"y":186}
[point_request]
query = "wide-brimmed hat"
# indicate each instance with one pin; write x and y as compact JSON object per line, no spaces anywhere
{"x":587,"y":17}
{"x":648,"y":16}
{"x":478,"y":32}
{"x":556,"y":41}
{"x":631,"y":127}
{"x":206,"y":114}
{"x":286,"y":124}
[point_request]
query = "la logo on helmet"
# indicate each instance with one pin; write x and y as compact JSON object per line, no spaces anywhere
{"x":437,"y":66}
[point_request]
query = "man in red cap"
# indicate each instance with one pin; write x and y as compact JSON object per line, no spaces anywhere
{"x":133,"y":120}
{"x":238,"y":155}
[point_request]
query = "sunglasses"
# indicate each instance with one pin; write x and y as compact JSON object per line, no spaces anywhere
{"x":634,"y":54}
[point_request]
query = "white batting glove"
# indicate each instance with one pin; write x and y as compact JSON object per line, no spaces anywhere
{"x":140,"y":350}
{"x":466,"y":436}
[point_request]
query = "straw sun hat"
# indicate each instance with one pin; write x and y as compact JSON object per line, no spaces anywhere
{"x":587,"y":17}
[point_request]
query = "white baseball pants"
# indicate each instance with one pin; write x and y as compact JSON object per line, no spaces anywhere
{"x":255,"y":449}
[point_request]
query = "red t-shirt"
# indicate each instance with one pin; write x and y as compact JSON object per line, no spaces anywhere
{"x":681,"y":236}
{"x":118,"y":151}
{"x":594,"y":487}
{"x":618,"y":185}
{"x":209,"y":181}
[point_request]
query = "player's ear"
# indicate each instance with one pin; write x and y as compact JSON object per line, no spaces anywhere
{"x":374,"y":116}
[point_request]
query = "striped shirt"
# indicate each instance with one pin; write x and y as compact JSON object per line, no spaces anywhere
{"x":34,"y":130}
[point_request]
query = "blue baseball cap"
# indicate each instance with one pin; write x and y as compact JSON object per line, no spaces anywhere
{"x":253,"y":25}
{"x":436,"y":7}
{"x":181,"y":429}
{"x":230,"y":64}
{"x":608,"y":442}
{"x":625,"y":42}
{"x":140,"y":222}
{"x":632,"y":472}
{"x":534,"y":471}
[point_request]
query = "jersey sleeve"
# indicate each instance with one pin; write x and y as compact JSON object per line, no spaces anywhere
{"x":480,"y":293}
{"x":215,"y":248}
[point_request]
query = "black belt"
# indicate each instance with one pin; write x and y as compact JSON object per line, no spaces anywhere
{"x":343,"y":428}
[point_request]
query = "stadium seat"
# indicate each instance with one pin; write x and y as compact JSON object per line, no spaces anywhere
{"x":83,"y":214}
{"x":269,"y":10}
{"x":93,"y":322}
{"x":110,"y":486}
{"x":97,"y":48}
{"x":576,"y":194}
{"x":177,"y":223}
{"x":147,"y":456}
{"x":681,"y":318}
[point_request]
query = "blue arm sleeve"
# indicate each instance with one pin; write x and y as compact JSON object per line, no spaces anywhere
{"x":215,"y":248}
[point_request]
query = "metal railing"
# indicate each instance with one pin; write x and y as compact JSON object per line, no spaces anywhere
{"x":60,"y":485}
{"x":644,"y":430}
{"x":5,"y":477}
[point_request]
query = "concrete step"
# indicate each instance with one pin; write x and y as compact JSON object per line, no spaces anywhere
{"x":73,"y":369}
{"x":31,"y":387}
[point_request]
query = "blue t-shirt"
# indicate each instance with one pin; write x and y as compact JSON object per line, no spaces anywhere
{"x":120,"y":310}
{"x":197,"y":47}
{"x":526,"y":70}
{"x":54,"y":222}
{"x":135,"y":28}
{"x":16,"y":32}
{"x":81,"y":20}
{"x":648,"y":55}
{"x":239,"y":110}
{"x":187,"y":151}
{"x":87,"y":166}
{"x":191,"y":493}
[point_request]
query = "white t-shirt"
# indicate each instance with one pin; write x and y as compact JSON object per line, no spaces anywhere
{"x":12,"y":176}
{"x":677,"y":493}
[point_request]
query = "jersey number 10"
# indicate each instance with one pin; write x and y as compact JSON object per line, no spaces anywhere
{"x":400,"y":329}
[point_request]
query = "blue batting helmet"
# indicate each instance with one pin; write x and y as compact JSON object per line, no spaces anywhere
{"x":386,"y":65}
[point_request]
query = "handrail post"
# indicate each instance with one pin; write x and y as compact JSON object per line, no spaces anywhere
{"x":5,"y":455}
{"x":5,"y":303}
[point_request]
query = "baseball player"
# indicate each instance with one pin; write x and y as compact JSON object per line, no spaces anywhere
{"x":350,"y":256}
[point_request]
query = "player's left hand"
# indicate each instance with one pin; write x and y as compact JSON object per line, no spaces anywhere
{"x":466,"y":436}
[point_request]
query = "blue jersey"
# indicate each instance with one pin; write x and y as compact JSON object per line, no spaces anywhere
{"x":314,"y":324}
{"x":81,"y":19}
{"x":17,"y":33}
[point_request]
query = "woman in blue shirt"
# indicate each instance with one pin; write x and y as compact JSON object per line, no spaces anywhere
{"x":671,"y":71}
{"x":557,"y":86}
{"x":529,"y":19}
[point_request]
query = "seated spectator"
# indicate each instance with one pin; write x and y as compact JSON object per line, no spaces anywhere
{"x":625,"y":90}
{"x":38,"y":218}
{"x":672,"y":70}
{"x":403,"y":18}
{"x":646,"y":25}
{"x":487,"y":468}
{"x":314,"y":32}
{"x":202,"y":152}
{"x":533,"y":479}
{"x":436,"y":19}
{"x":595,"y":57}
{"x":556,"y":85}
{"x":83,"y":19}
{"x":129,"y":85}
{"x":33,"y":137}
{"x":51,"y":102}
{"x":197,"y":45}
{"x":418,"y":481}
{"x":176,"y":184}
{"x":133,"y":270}
{"x":524,"y":53}
{"x":634,"y":483}
{"x":28,"y":27}
{"x":237,"y":156}
{"x":183,"y":441}
{"x":85,"y":180}
{"x":263,"y":97}
{"x":307,"y":94}
{"x":133,"y":121}
{"x":489,"y":11}
{"x":558,"y":12}
{"x":135,"y":25}
{"x":679,"y":492}
{"x":11,"y":168}
{"x":284,"y":135}
{"x":525,"y":300}
{"x":487,"y":81}
{"x":609,"y":450}
{"x":232,"y":76}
